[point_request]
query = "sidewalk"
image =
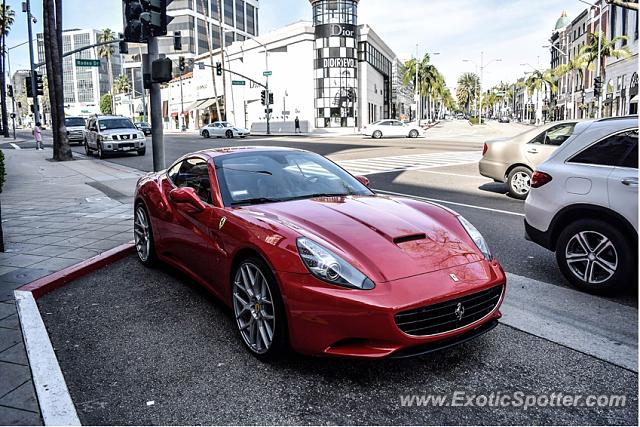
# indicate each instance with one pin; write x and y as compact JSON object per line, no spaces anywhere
{"x":54,"y":215}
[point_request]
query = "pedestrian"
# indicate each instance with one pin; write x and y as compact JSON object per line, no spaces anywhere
{"x":37,"y":134}
{"x":297,"y":122}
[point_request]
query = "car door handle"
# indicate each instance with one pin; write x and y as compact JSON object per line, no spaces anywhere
{"x":630,"y":182}
{"x":533,"y":151}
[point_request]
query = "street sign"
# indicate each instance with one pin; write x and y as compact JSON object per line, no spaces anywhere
{"x":201,"y":65}
{"x":286,"y":113}
{"x":238,"y":82}
{"x":87,"y":62}
{"x":268,"y":110}
{"x":267,"y":73}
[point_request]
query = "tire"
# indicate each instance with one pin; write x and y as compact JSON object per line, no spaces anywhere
{"x":101,"y":154}
{"x":246,"y":306}
{"x":603,"y":245}
{"x":519,"y":182}
{"x":142,"y":152}
{"x":205,"y":134}
{"x":376,"y":135}
{"x":228,"y":134}
{"x":413,"y":134}
{"x":88,"y":151}
{"x":143,"y":243}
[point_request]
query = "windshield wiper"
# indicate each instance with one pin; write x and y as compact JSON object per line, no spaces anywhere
{"x":255,"y":201}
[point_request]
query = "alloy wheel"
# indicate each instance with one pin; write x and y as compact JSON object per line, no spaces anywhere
{"x":205,"y":134}
{"x":521,"y":183}
{"x":253,"y":307}
{"x":229,"y":134}
{"x":142,"y":233}
{"x":591,"y":257}
{"x":377,"y":134}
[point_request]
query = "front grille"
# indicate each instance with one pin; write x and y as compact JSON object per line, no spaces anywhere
{"x":449,"y":315}
{"x":126,"y":144}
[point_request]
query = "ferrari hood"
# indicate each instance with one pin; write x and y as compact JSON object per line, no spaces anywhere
{"x":385,"y":238}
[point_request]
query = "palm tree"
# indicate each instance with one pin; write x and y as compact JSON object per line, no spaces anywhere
{"x":539,"y":80}
{"x":467,"y":90}
{"x":122,"y":84}
{"x":6,"y":21}
{"x":430,"y":80}
{"x":107,"y":51}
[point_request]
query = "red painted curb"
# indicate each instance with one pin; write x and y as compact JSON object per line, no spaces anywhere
{"x":53,"y":281}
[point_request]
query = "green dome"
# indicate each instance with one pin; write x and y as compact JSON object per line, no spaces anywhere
{"x":563,"y":21}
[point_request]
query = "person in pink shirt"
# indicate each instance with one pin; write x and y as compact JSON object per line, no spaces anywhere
{"x":37,"y":134}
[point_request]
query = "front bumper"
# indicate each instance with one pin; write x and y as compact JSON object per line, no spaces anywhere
{"x":123,"y":146}
{"x":332,"y":321}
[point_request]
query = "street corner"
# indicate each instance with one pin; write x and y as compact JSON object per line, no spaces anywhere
{"x":151,"y":346}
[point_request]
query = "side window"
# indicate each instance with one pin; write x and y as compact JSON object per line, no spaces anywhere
{"x":631,"y":160}
{"x":194,"y":173}
{"x":397,"y":123}
{"x":559,"y":134}
{"x":173,"y":172}
{"x":538,"y":139}
{"x":387,"y":123}
{"x":611,"y":151}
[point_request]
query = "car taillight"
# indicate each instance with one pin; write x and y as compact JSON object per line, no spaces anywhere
{"x":485,"y":149}
{"x":539,"y":179}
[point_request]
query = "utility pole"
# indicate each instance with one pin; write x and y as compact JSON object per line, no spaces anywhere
{"x":144,"y":64}
{"x":600,"y":35}
{"x":5,"y":121}
{"x":417,"y":88}
{"x":222,"y":44}
{"x":156,"y":112}
{"x":26,"y":7}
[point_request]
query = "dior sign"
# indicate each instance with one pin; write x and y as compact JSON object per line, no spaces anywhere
{"x":336,"y":30}
{"x":339,"y":62}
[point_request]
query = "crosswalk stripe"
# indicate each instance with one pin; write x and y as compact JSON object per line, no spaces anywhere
{"x":377,"y":165}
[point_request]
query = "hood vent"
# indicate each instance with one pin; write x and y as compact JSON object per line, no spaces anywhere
{"x":409,"y":238}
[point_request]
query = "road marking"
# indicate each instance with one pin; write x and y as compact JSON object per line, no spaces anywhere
{"x":586,"y":323}
{"x":454,"y":174}
{"x":375,"y":165}
{"x":15,"y":146}
{"x":55,"y":402}
{"x":446,"y":202}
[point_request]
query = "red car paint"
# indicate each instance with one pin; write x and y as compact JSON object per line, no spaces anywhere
{"x":411,"y":250}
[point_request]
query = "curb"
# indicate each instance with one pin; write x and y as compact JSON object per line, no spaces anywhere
{"x":56,"y":405}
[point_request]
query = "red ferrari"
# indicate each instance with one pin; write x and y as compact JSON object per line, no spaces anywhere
{"x":308,"y":257}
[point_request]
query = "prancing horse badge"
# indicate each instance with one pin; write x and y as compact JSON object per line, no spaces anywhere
{"x":223,"y":221}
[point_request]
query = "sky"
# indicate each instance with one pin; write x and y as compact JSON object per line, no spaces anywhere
{"x":511,"y":30}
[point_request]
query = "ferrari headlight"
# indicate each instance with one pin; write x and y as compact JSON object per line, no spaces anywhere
{"x":329,"y":267}
{"x":476,"y":237}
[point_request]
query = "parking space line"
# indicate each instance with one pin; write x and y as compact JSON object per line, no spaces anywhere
{"x":54,"y":399}
{"x":15,"y":146}
{"x":446,"y":202}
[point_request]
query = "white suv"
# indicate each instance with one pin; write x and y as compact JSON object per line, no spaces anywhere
{"x":583,"y":205}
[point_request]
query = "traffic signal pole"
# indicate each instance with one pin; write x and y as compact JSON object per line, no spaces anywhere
{"x":34,"y":92}
{"x":157,"y":136}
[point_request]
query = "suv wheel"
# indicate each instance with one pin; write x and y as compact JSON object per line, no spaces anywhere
{"x":519,"y":182}
{"x":595,"y":256}
{"x":142,"y":151}
{"x":88,"y":151}
{"x":101,"y":154}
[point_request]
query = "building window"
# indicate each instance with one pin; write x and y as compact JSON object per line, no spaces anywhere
{"x":624,"y":25}
{"x":251,"y":26}
{"x":228,"y":12}
{"x":335,"y":12}
{"x":240,"y":15}
{"x":612,"y":26}
{"x":214,"y":13}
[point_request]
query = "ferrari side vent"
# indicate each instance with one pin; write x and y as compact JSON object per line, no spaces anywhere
{"x":409,"y":238}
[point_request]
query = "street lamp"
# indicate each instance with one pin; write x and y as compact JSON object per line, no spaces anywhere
{"x":482,"y":67}
{"x":266,"y":64}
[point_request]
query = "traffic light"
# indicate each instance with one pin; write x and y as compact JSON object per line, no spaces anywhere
{"x":39,"y":84}
{"x":123,"y":46}
{"x":218,"y":69}
{"x":10,"y":91}
{"x":177,"y":40}
{"x":597,"y":86}
{"x":181,"y":64}
{"x":144,"y":19}
{"x":27,"y":83}
{"x":270,"y":98}
{"x":263,"y":97}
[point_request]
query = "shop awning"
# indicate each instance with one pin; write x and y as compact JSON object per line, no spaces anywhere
{"x":634,"y":99}
{"x":206,"y":103}
{"x":192,"y":106}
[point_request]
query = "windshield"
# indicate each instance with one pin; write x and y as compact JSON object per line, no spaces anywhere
{"x":74,"y":121}
{"x":116,"y":124}
{"x":278,"y":176}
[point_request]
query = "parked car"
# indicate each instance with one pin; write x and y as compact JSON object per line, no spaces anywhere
{"x":223,"y":129}
{"x":392,"y":128}
{"x":584,"y":206}
{"x":504,"y":119}
{"x":306,"y":255}
{"x":144,"y":127}
{"x":75,"y":129}
{"x":113,"y":134}
{"x":512,"y":160}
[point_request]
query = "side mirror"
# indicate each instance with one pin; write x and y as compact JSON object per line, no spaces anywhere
{"x":363,"y":180}
{"x":187,"y":196}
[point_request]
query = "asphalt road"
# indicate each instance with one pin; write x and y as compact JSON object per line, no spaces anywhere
{"x":140,"y":346}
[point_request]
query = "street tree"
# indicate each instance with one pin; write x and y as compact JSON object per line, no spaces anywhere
{"x":467,"y":90}
{"x":541,"y":80}
{"x":52,"y":17}
{"x":6,"y":21}
{"x":588,"y":54}
{"x":106,"y":104}
{"x":106,"y":51}
{"x":122,"y":84}
{"x":430,"y":81}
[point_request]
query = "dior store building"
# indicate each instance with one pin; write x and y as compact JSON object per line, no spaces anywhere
{"x":334,"y":74}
